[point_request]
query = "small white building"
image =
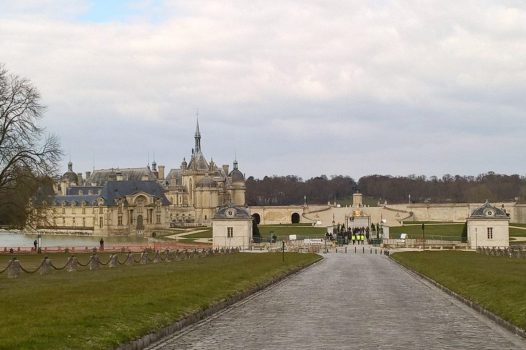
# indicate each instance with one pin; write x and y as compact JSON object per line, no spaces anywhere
{"x":488,"y":226}
{"x":232,"y":227}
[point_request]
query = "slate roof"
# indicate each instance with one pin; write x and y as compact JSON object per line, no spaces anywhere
{"x":481,"y":212}
{"x":101,"y":176}
{"x":67,"y":200}
{"x":198,"y":161}
{"x":116,"y":189}
{"x":240,"y":213}
{"x":75,"y":191}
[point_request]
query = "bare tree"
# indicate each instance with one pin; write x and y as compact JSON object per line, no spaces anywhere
{"x":26,"y":152}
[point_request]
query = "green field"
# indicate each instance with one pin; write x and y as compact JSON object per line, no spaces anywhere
{"x":440,"y":231}
{"x":102,"y":309}
{"x":519,"y":225}
{"x":283,"y":231}
{"x":496,"y":283}
{"x":206,"y":233}
{"x":517,"y":232}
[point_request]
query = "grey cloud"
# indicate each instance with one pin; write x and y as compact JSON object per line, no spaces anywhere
{"x":304,"y":88}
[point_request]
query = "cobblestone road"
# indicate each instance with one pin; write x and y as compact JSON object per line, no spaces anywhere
{"x":347,"y":302}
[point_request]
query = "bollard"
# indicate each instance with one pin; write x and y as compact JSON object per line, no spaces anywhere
{"x":94,"y":262}
{"x":345,"y":250}
{"x":354,"y":250}
{"x":363,"y":250}
{"x":336,"y":250}
{"x":370,"y":250}
{"x":129,"y":259}
{"x":72,"y":264}
{"x":375,"y":251}
{"x":46,"y":266}
{"x":113,"y":261}
{"x":14,"y":269}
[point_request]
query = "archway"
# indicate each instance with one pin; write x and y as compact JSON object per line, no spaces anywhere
{"x":256,"y":218}
{"x":140,"y":224}
{"x":295,"y":218}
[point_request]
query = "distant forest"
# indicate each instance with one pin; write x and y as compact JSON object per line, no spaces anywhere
{"x":287,"y":190}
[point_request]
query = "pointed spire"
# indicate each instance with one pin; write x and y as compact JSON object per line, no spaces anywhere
{"x":197,"y":135}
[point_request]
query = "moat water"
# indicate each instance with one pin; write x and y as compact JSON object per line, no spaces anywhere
{"x":19,"y":239}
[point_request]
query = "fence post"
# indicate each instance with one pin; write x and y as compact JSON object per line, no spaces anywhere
{"x":13,"y":271}
{"x":129,"y":259}
{"x":94,"y":262}
{"x":113,"y":261}
{"x":46,"y":266}
{"x":72,"y":264}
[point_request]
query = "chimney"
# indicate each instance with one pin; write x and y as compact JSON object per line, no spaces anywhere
{"x":225,"y":168}
{"x":79,"y":176}
{"x":161,"y":172}
{"x":88,"y":174}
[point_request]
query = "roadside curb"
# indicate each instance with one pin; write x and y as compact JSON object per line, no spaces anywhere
{"x":200,"y":315}
{"x":481,"y":310}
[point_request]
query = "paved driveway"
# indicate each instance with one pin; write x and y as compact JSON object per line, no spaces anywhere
{"x":347,"y":301}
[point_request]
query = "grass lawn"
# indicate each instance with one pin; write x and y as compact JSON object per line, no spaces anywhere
{"x":445,"y":231}
{"x":517,"y":232}
{"x":206,"y":233}
{"x":519,"y":225}
{"x":282,"y":231}
{"x":496,"y":283}
{"x":101,"y":309}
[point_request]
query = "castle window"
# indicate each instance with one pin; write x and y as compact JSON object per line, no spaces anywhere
{"x":230,"y":232}
{"x":73,"y":221}
{"x":83,"y":222}
{"x":206,"y":217}
{"x":83,"y":210}
{"x":119,"y":220}
{"x":158,"y":219}
{"x":490,"y":232}
{"x":101,"y":221}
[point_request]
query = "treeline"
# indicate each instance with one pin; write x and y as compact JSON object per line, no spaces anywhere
{"x":285,"y":190}
{"x":458,"y":189}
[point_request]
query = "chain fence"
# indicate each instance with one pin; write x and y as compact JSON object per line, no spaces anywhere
{"x":14,"y":267}
{"x":518,"y":252}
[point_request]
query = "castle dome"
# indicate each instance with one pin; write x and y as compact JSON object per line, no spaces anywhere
{"x":70,"y":175}
{"x":236,"y":175}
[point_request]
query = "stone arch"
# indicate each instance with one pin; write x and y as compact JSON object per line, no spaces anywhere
{"x":295,"y":218}
{"x":257,"y":218}
{"x":140,"y":223}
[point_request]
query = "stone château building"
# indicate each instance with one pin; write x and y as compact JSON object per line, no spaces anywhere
{"x":132,"y":201}
{"x":488,"y":226}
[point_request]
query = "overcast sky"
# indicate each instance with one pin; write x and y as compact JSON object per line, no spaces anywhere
{"x":291,"y":87}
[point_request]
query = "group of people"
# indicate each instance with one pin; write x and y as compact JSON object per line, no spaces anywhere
{"x":359,"y":235}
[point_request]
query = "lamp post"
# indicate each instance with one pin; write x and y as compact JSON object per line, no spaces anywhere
{"x":423,"y":237}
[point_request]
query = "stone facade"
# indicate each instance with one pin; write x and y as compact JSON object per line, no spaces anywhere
{"x":232,"y":227}
{"x":488,"y":226}
{"x":139,"y":201}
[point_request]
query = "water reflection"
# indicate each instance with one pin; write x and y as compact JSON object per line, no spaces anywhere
{"x":18,"y":239}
